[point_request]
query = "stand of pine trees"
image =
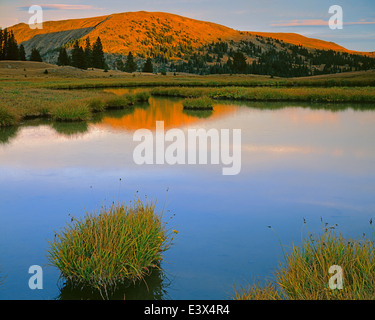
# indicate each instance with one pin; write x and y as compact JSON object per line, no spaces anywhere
{"x":265,"y":56}
{"x":83,"y":57}
{"x":9,"y":49}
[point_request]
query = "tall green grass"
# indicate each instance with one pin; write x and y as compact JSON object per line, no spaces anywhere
{"x":61,"y":105}
{"x":8,"y":116}
{"x":361,"y":79}
{"x":334,"y":94}
{"x":203,"y":103}
{"x":304,"y":273}
{"x":72,"y":111}
{"x":120,"y":245}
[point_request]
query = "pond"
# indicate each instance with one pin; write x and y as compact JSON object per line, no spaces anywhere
{"x":298,"y":161}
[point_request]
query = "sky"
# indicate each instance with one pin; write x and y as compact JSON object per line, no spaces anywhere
{"x":307,"y":17}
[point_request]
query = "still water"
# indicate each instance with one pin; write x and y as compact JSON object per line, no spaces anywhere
{"x":299,"y":161}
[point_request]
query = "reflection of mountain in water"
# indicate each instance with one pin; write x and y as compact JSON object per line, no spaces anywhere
{"x":152,"y":287}
{"x":169,"y":110}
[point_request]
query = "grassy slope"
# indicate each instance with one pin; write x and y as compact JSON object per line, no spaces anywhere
{"x":124,"y":32}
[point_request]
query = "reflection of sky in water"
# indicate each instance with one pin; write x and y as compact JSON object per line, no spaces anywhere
{"x":296,"y":162}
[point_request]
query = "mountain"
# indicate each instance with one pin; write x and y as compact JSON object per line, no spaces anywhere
{"x":170,"y":38}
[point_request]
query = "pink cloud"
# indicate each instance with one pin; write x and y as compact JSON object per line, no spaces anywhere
{"x":293,"y":23}
{"x":67,"y":7}
{"x":316,"y":22}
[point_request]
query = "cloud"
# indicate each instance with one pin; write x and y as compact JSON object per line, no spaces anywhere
{"x":307,"y":22}
{"x":316,"y":22}
{"x":62,"y":7}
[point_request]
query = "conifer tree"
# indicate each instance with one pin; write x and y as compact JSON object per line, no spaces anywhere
{"x":78,"y":56}
{"x":12,"y":47}
{"x":88,"y":54}
{"x":1,"y":44}
{"x":35,"y":55}
{"x":22,"y":53}
{"x":147,"y":67}
{"x":63,"y":59}
{"x":130,"y":65}
{"x":98,"y":60}
{"x":4,"y":46}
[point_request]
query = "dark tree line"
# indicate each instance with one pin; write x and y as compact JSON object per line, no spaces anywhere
{"x":131,"y":66}
{"x":83,"y":57}
{"x":246,"y":57}
{"x":10,"y":50}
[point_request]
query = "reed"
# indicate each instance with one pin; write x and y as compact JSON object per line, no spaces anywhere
{"x":142,"y":96}
{"x":203,"y":103}
{"x":96,"y":104}
{"x":311,"y":94}
{"x":304,"y":274}
{"x":72,"y":111}
{"x":120,"y":245}
{"x":60,"y":105}
{"x":258,"y":291}
{"x":8,"y":116}
{"x":120,"y":102}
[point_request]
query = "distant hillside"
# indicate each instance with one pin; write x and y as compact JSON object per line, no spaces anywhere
{"x":182,"y":44}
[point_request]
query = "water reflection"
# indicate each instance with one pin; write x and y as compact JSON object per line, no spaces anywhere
{"x":7,"y":133}
{"x":203,"y":114}
{"x":169,"y":110}
{"x":298,"y":160}
{"x":152,"y":287}
{"x":70,"y":128}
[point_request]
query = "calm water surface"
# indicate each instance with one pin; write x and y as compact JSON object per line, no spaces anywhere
{"x":298,"y":161}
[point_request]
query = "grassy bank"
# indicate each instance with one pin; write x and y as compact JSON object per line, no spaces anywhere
{"x":337,"y":95}
{"x":351,"y":79}
{"x":120,"y":245}
{"x":48,"y":97}
{"x":305,"y":272}
{"x":20,"y":104}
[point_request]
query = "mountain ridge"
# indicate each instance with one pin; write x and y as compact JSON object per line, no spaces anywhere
{"x":183,"y":45}
{"x":134,"y":27}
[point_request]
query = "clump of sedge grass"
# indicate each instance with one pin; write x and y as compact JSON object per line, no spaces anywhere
{"x":120,"y":102}
{"x":96,"y":104}
{"x":8,"y":117}
{"x":71,"y":111}
{"x":120,"y":245}
{"x":203,"y":103}
{"x":304,"y":275}
{"x":268,"y":291}
{"x":142,"y":96}
{"x":126,"y":101}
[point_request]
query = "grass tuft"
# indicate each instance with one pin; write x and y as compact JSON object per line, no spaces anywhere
{"x":8,"y":117}
{"x":304,"y":274}
{"x":142,"y":96}
{"x":96,"y":105}
{"x":120,"y":245}
{"x":119,"y":102}
{"x":72,"y":111}
{"x":203,"y":103}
